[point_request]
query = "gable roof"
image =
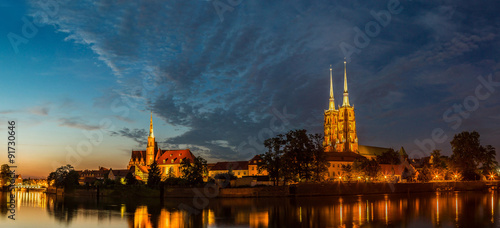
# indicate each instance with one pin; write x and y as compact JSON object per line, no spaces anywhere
{"x":371,"y":150}
{"x":174,"y":156}
{"x":342,"y":156}
{"x":138,"y":154}
{"x":120,"y":172}
{"x":235,"y":165}
{"x":255,"y":160}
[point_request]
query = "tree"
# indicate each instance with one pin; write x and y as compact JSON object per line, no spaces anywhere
{"x":271,"y":160}
{"x":389,"y":157}
{"x":154,"y":175}
{"x":65,"y":177}
{"x":347,"y":171}
{"x":369,"y":167}
{"x":298,"y":148}
{"x":488,"y":160}
{"x":319,"y":165}
{"x":437,"y":160}
{"x":131,"y":180}
{"x":193,"y":171}
{"x":467,"y":153}
{"x":295,"y":156}
{"x":5,"y":174}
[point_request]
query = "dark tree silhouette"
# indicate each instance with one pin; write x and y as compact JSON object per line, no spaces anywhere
{"x":193,"y":171}
{"x":154,"y":177}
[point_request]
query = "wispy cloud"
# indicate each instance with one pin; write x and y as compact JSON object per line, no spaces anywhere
{"x":221,"y":80}
{"x":138,"y":135}
{"x":76,"y":122}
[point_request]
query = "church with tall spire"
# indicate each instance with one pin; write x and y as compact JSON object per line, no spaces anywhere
{"x":168,"y":161}
{"x":340,"y":125}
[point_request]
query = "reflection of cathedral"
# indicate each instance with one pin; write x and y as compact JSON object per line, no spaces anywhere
{"x":340,"y":125}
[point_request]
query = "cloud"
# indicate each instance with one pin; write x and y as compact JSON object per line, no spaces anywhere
{"x":138,"y":135}
{"x":40,"y":110}
{"x":78,"y":123}
{"x":225,"y":80}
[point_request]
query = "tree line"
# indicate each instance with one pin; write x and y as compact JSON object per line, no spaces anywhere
{"x":299,"y":157}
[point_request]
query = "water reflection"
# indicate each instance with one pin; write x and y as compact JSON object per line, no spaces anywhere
{"x":463,"y":209}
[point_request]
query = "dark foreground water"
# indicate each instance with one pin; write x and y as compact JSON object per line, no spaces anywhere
{"x":451,"y":209}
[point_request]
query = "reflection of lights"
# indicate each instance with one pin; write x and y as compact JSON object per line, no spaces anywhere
{"x":122,"y":210}
{"x":341,"y":213}
{"x":386,"y":216}
{"x":492,"y":210}
{"x":300,"y":214}
{"x":456,"y":207}
{"x":437,"y":211}
{"x":359,"y":211}
{"x":367,"y":212}
{"x":211,"y":217}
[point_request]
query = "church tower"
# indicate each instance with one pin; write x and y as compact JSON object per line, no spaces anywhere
{"x":331,"y":118}
{"x":340,"y":125}
{"x":150,"y":150}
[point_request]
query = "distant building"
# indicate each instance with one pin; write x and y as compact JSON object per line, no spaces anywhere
{"x":88,"y":177}
{"x":119,"y":175}
{"x":238,"y":168}
{"x":338,"y":159}
{"x":167,"y":160}
{"x":253,"y":167}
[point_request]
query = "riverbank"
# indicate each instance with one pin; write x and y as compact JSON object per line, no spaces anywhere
{"x":297,"y":190}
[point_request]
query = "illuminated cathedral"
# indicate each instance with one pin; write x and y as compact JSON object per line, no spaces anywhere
{"x":340,"y":125}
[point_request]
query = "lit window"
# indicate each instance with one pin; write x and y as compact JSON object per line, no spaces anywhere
{"x":180,"y":154}
{"x":238,"y":173}
{"x":172,"y":161}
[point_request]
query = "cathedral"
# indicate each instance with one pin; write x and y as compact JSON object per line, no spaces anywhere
{"x":340,"y":124}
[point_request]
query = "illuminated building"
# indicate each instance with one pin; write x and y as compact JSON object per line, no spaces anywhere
{"x":168,"y":161}
{"x":340,"y":125}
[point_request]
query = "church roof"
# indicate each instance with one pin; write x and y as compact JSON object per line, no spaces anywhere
{"x":174,"y":156}
{"x":342,"y":156}
{"x":138,"y":154}
{"x":371,"y":150}
{"x":235,"y":165}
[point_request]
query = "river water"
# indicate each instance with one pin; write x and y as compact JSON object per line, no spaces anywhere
{"x":447,"y":209}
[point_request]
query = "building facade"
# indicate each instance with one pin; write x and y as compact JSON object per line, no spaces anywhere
{"x":168,"y":161}
{"x":340,"y":125}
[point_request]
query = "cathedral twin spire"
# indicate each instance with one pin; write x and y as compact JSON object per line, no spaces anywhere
{"x":151,"y":133}
{"x":345,"y":102}
{"x":346,"y":94}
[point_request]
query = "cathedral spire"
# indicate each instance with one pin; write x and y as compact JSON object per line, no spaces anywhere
{"x":332,"y":100}
{"x":151,"y":133}
{"x":346,"y":94}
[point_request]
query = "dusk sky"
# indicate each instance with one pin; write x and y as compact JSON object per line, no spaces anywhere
{"x":220,"y":76}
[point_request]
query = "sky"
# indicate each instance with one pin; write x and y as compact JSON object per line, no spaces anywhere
{"x":80,"y":78}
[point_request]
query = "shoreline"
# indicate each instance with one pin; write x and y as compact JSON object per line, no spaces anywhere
{"x":296,"y":190}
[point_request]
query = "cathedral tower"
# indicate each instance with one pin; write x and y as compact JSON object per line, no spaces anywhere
{"x":340,"y":125}
{"x":150,"y":150}
{"x":330,"y":121}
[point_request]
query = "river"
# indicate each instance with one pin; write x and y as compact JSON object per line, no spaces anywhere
{"x":447,"y":209}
